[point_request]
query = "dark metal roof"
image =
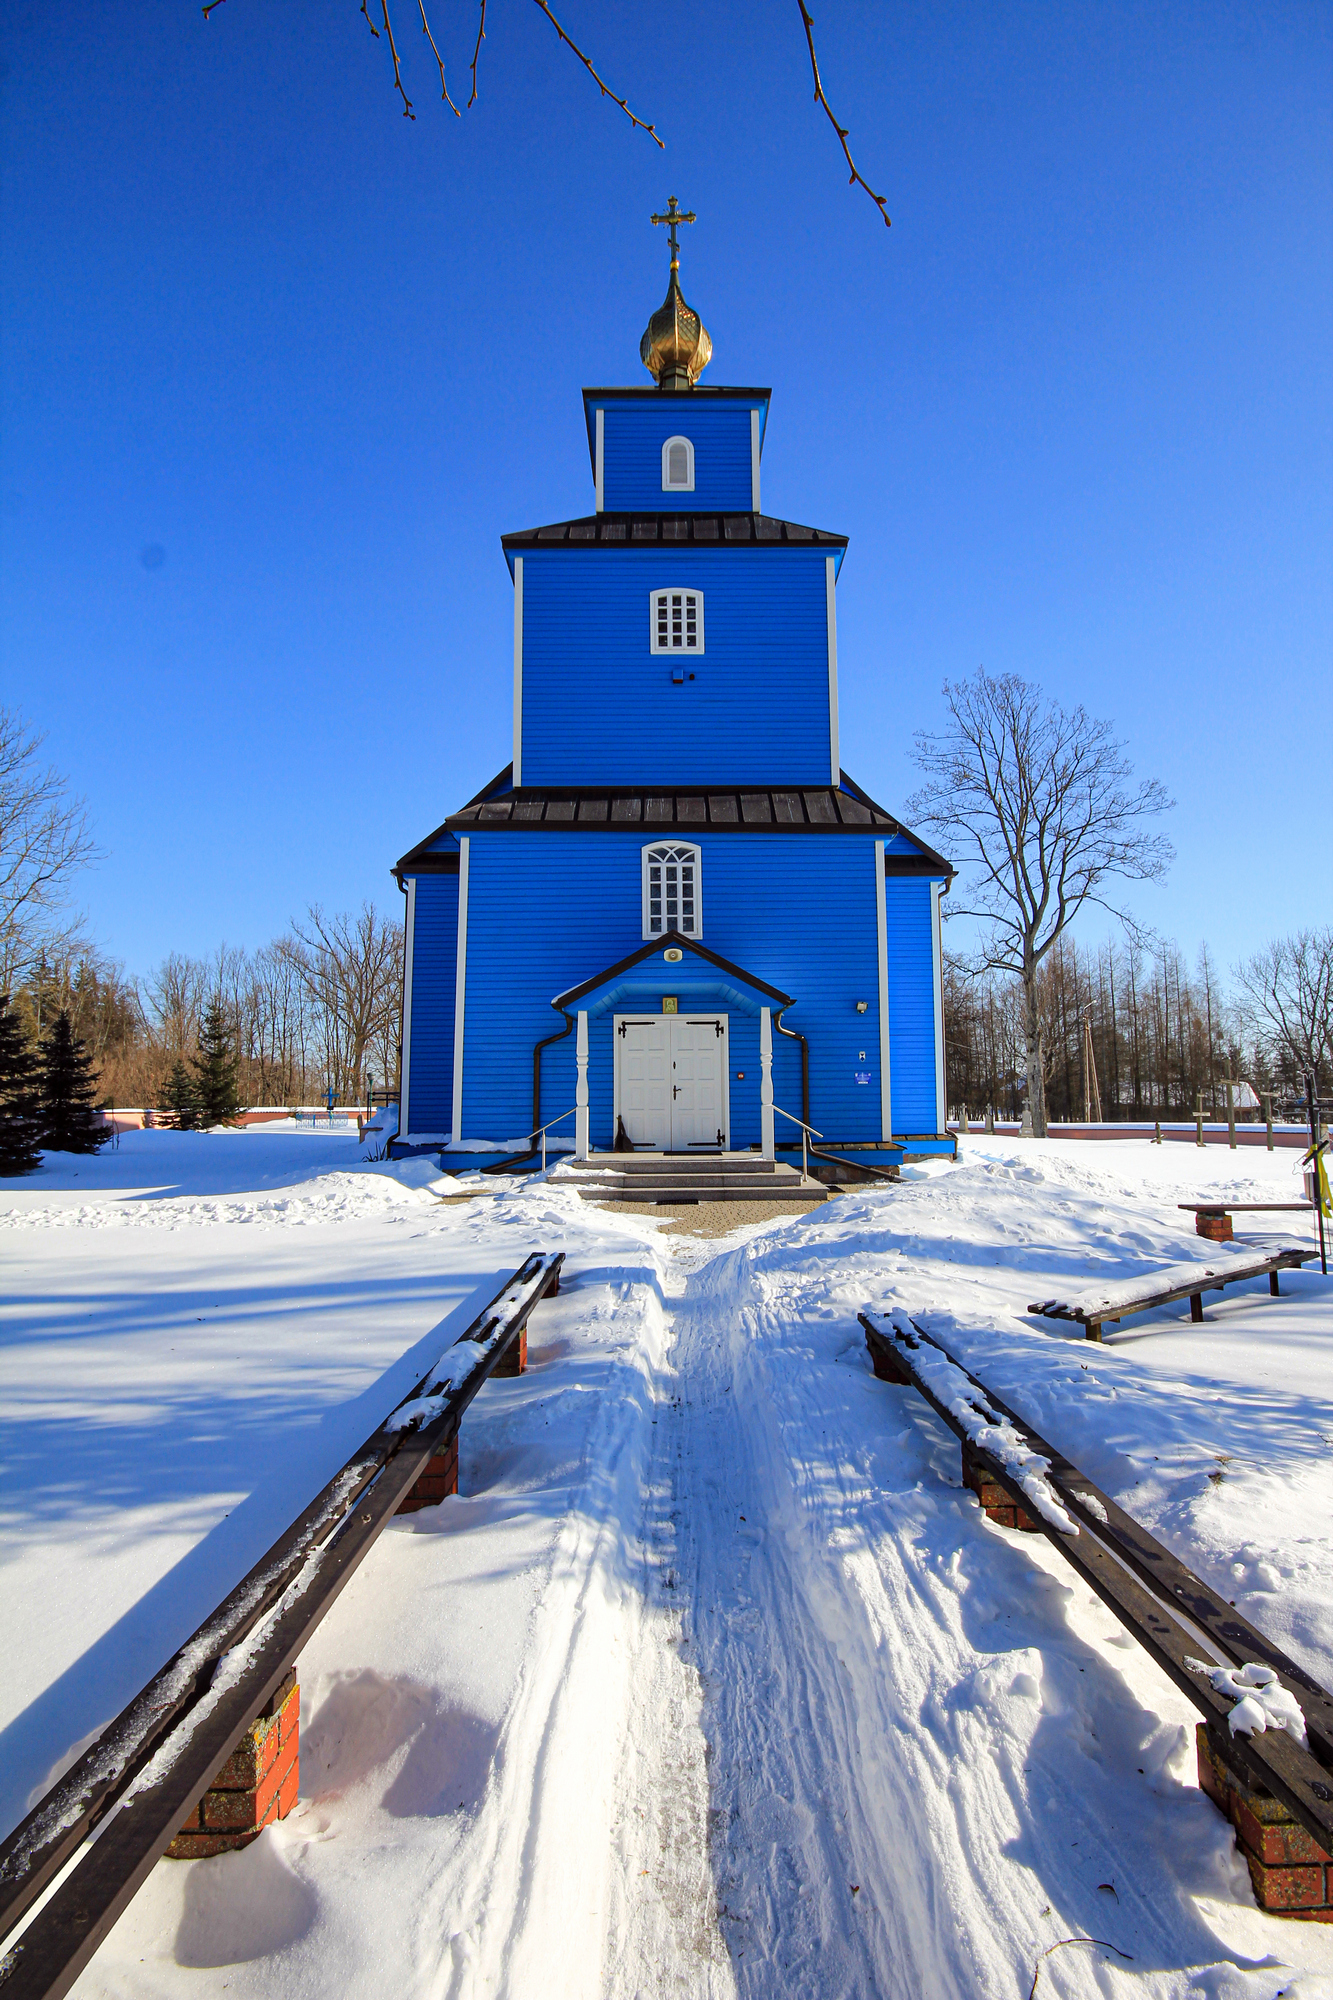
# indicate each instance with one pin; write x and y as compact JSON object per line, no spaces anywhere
{"x":632,"y":530}
{"x":819,"y":809}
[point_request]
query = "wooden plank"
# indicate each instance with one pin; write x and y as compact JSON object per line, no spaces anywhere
{"x":1092,"y":1308}
{"x":167,"y":1743}
{"x":1151,"y":1591}
{"x":1246,"y":1207}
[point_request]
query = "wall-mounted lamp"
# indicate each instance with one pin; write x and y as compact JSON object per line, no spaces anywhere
{"x":861,"y":1006}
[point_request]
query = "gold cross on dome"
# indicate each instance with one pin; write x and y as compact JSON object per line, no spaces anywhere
{"x":671,"y":218}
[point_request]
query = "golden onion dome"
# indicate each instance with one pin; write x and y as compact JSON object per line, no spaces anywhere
{"x":675,"y":348}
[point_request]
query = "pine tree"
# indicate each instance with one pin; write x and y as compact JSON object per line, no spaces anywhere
{"x":215,"y":1070}
{"x":20,"y":1117}
{"x":69,"y":1124}
{"x":179,"y":1097}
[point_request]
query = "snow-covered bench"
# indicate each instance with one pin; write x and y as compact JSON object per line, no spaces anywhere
{"x":1100,"y":1303}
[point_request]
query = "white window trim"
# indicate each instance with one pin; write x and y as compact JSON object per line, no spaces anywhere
{"x":676,"y":652}
{"x":599,"y":470}
{"x":681,"y":848}
{"x":677,"y":485}
{"x":754,"y":462}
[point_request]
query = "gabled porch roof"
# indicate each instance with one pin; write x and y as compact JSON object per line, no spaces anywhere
{"x":607,"y":983}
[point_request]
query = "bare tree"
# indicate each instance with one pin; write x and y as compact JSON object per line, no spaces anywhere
{"x":352,"y":969}
{"x":381,"y":8}
{"x":1286,"y":1004}
{"x":44,"y":841}
{"x":1042,"y":803}
{"x":173,"y":1000}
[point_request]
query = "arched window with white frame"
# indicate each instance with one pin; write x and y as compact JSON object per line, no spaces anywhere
{"x":678,"y":466}
{"x":676,"y":621}
{"x":672,"y":891}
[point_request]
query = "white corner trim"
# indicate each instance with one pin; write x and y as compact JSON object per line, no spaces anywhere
{"x":937,"y":946}
{"x":460,"y":992}
{"x":830,"y":585}
{"x":518,"y":670}
{"x":599,"y":475}
{"x":882,"y":940}
{"x":581,"y":1088}
{"x":754,"y":461}
{"x":405,"y":1057}
{"x":766,"y":1133}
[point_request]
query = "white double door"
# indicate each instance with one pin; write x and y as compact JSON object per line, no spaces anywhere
{"x":671,"y":1079}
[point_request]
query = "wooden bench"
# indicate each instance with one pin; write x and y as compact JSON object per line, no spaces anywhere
{"x":1213,"y":1218}
{"x":1171,"y":1612}
{"x":1094,"y":1307}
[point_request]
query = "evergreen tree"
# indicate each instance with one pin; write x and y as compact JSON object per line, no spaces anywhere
{"x":20,"y":1114}
{"x":69,"y":1123}
{"x":215,"y":1069}
{"x":179,"y":1097}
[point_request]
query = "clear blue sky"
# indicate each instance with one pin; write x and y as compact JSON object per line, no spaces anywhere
{"x":1073,"y":410}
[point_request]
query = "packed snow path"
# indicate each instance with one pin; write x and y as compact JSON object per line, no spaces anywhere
{"x":714,"y":1680}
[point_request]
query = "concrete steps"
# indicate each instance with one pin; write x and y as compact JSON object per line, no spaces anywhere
{"x":678,"y":1179}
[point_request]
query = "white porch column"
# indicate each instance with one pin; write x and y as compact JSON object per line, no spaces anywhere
{"x":766,"y":1082}
{"x":581,"y":1094}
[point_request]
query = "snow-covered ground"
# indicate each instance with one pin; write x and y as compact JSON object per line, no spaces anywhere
{"x":713,"y":1680}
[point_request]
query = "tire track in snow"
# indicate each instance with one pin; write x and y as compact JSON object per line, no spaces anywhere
{"x":861,"y":1734}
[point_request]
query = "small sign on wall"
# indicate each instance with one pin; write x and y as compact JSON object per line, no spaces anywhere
{"x":862,"y":1075}
{"x":670,"y":1004}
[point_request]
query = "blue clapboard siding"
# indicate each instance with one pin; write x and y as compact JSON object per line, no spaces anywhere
{"x":430,"y":1100}
{"x":599,"y":708}
{"x":911,"y":955}
{"x":548,"y":911}
{"x":634,"y":434}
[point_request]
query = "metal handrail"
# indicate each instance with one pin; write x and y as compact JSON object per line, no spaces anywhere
{"x":807,"y":1133}
{"x":542,"y":1130}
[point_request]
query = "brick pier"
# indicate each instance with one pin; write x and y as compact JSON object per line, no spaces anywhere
{"x":256,"y":1786}
{"x":1292,"y":1876}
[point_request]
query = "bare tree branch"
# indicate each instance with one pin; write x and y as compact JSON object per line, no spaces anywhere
{"x":444,"y":88}
{"x":408,"y":112}
{"x":856,"y":179}
{"x":481,"y":36}
{"x":605,"y":89}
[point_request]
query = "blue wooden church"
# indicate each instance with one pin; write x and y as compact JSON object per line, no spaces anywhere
{"x":674,"y":913}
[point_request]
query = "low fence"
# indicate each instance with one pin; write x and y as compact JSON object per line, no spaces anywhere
{"x":1213,"y":1134}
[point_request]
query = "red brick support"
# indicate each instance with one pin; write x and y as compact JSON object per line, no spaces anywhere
{"x":436,"y":1482}
{"x":1217,"y":1228}
{"x":256,"y":1786}
{"x":516,"y":1360}
{"x":1292,"y":1875}
{"x":994,"y":1500}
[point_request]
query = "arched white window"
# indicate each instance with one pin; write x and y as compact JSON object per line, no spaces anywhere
{"x":676,"y":621}
{"x":678,"y":466}
{"x":672,"y":899}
